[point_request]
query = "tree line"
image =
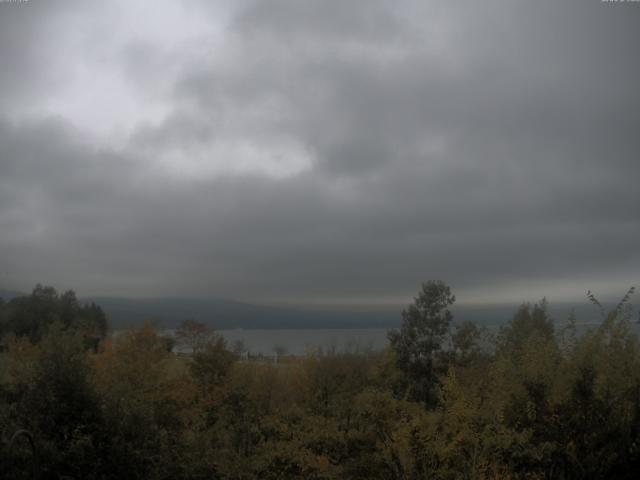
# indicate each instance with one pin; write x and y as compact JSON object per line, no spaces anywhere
{"x":444,"y":400}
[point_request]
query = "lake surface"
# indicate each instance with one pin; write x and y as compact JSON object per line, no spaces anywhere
{"x":298,"y":342}
{"x":301,"y":341}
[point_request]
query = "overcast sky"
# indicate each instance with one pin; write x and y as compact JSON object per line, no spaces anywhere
{"x":320,"y":151}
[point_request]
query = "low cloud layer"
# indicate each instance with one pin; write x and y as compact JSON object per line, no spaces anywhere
{"x":320,"y":152}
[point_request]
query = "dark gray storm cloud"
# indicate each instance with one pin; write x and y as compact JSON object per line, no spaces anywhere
{"x":320,"y":151}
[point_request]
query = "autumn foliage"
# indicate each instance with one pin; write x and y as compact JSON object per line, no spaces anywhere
{"x":446,"y":401}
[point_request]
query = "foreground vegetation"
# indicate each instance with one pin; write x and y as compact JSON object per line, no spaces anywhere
{"x":441,"y":402}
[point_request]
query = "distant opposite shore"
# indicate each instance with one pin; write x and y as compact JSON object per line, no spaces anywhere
{"x":223,"y":314}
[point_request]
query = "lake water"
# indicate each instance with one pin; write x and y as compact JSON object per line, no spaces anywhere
{"x":298,"y":342}
{"x":301,"y":341}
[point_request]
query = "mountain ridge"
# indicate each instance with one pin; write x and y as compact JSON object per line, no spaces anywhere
{"x":168,"y":312}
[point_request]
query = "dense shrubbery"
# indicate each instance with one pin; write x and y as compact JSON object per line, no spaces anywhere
{"x":536,"y":402}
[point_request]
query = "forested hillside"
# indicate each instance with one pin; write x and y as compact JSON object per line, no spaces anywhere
{"x":442,"y":401}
